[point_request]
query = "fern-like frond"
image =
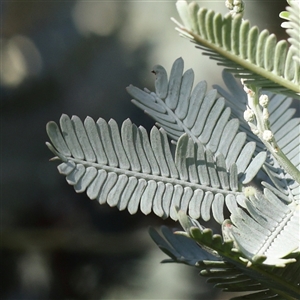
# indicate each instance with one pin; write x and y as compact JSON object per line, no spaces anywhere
{"x":285,"y":186}
{"x":129,"y":170}
{"x":205,"y":117}
{"x":294,"y":29}
{"x":241,"y":49}
{"x":245,"y":238}
{"x":263,"y":282}
{"x":285,"y":127}
{"x":270,"y":229}
{"x":198,"y":113}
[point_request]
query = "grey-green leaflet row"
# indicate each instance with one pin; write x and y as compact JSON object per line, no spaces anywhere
{"x":128,"y":169}
{"x":242,"y":49}
{"x":226,"y":164}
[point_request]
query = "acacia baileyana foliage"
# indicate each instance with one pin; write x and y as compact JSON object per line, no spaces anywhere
{"x":236,"y":155}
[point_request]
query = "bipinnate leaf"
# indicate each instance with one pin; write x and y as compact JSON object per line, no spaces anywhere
{"x":128,"y":169}
{"x":286,"y":130}
{"x":254,"y":56}
{"x":284,"y":125}
{"x":198,"y":113}
{"x":293,"y":29}
{"x":270,"y":229}
{"x":262,"y":242}
{"x":228,"y":271}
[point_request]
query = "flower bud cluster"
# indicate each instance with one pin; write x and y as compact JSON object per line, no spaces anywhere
{"x":249,"y":115}
{"x":257,"y":116}
{"x":268,"y":135}
{"x":263,"y":100}
{"x":237,"y":6}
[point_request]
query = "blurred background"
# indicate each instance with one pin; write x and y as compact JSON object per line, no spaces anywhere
{"x":77,"y":57}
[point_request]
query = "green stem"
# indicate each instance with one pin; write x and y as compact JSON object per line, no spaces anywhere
{"x":272,"y":146}
{"x":284,"y":162}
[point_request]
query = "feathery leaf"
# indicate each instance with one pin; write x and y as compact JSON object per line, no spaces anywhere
{"x":198,"y":113}
{"x":229,"y":274}
{"x":128,"y":169}
{"x":285,"y":128}
{"x":293,"y":29}
{"x":243,"y":50}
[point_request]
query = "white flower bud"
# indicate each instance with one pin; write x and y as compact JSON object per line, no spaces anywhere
{"x":229,"y":4}
{"x":249,"y":115}
{"x":268,"y":135}
{"x":237,"y":6}
{"x":264,"y":100}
